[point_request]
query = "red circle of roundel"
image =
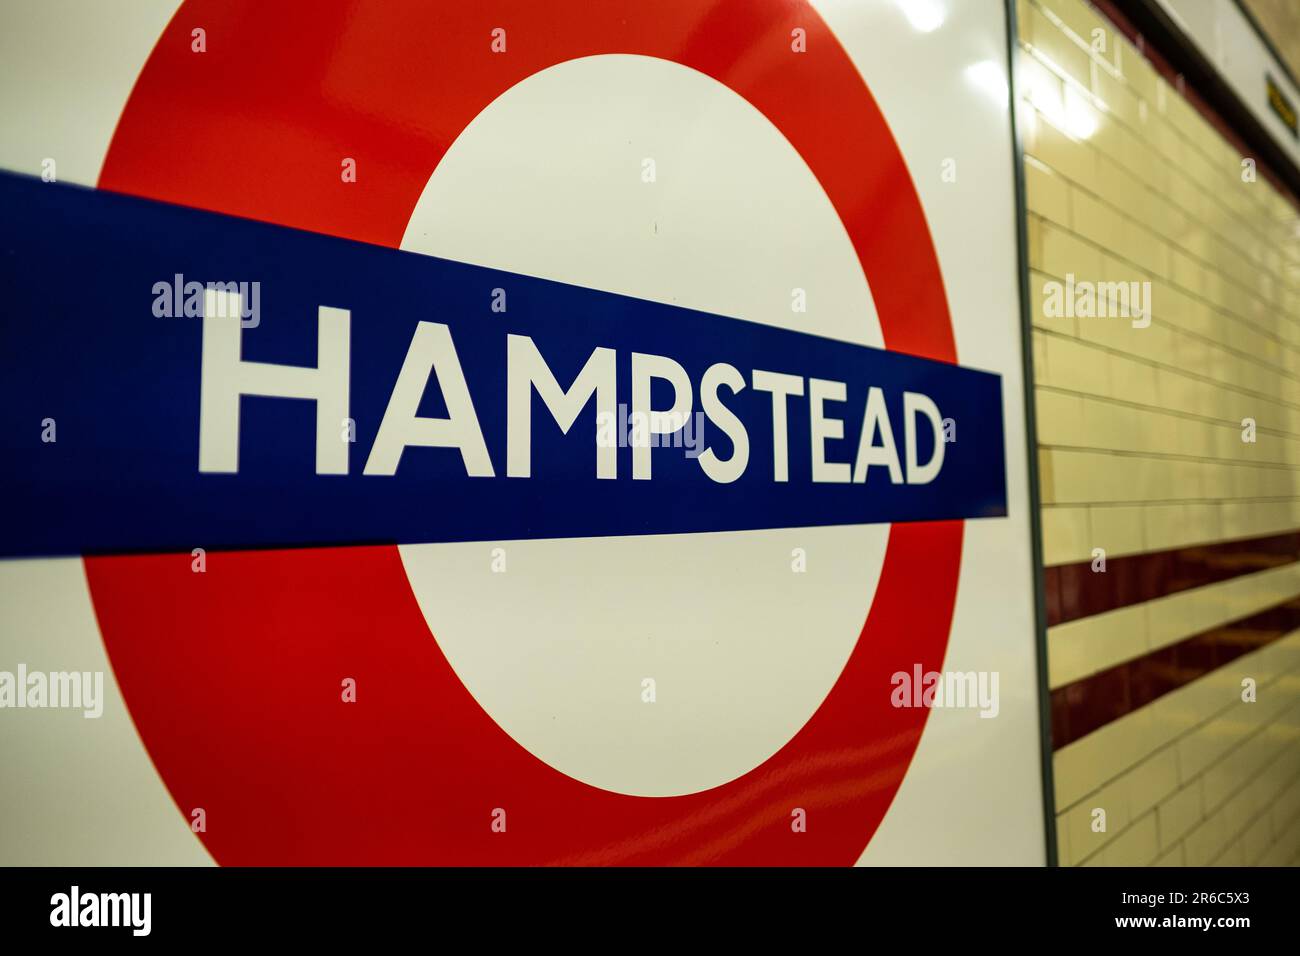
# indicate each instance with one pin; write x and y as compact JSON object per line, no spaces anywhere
{"x":232,"y":677}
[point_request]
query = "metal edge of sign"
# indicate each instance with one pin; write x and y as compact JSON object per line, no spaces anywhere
{"x":1031,"y":443}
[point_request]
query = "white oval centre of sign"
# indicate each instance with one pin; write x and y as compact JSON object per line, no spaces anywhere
{"x":643,"y":177}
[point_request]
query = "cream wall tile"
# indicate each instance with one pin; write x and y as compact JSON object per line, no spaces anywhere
{"x":1078,"y":367}
{"x":1065,"y":535}
{"x":1153,"y":779}
{"x":1061,"y":51}
{"x":1060,"y":418}
{"x":1178,"y":815}
{"x":1091,"y":644}
{"x":1136,"y":846}
{"x":1047,"y":193}
{"x":1118,"y":529}
{"x":1173,"y":857}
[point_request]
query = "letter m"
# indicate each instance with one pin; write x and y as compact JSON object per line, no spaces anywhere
{"x":526,"y":371}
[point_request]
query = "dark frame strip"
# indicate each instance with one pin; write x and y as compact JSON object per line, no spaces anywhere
{"x":1031,"y":445}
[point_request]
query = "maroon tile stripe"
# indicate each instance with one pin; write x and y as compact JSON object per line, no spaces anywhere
{"x":1075,"y":590}
{"x":1082,"y":707}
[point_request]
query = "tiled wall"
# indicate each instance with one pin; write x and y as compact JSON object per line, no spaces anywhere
{"x":1143,"y":462}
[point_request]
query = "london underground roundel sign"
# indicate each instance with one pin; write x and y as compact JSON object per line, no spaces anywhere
{"x":543,"y":439}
